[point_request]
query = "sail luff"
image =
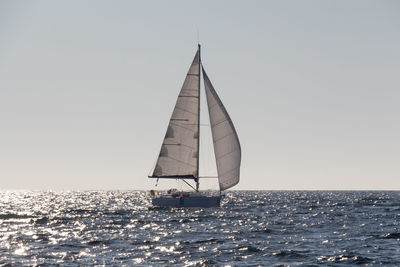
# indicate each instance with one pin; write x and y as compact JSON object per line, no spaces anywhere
{"x":225,"y":139}
{"x":179,"y":151}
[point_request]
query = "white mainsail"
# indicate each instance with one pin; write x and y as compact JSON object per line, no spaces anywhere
{"x":226,"y":142}
{"x":179,"y":153}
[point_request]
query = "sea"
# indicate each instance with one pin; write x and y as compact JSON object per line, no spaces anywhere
{"x":251,"y":228}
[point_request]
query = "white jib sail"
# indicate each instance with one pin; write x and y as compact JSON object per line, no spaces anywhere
{"x":179,"y":152}
{"x":226,"y":142}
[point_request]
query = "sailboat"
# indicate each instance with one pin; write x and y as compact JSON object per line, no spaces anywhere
{"x":179,"y":154}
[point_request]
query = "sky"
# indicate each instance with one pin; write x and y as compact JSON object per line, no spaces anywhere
{"x":312,"y":87}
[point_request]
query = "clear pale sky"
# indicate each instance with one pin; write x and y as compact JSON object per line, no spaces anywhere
{"x":87,"y":89}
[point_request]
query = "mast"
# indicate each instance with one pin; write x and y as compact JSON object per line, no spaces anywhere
{"x":198,"y":127}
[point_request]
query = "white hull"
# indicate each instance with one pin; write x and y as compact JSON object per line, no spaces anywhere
{"x":201,"y":201}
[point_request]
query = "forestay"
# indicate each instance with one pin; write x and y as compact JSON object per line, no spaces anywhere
{"x":226,"y":142}
{"x":179,"y":150}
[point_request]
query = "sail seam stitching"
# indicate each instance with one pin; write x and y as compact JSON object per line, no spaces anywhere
{"x":185,"y":163}
{"x":179,"y":144}
{"x":229,"y":171}
{"x":224,"y":155}
{"x":223,"y":137}
{"x":188,"y":96}
{"x":177,"y":125}
{"x":217,"y":123}
{"x":184,"y":110}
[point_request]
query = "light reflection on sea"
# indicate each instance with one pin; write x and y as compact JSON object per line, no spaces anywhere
{"x":289,"y":228}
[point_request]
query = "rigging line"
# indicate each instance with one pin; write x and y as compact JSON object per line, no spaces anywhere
{"x":175,"y":176}
{"x":153,"y":168}
{"x":189,"y":184}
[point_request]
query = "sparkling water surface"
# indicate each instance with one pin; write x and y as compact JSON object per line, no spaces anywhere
{"x":270,"y":228}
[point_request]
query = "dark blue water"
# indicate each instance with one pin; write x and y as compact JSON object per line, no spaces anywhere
{"x":271,"y":228}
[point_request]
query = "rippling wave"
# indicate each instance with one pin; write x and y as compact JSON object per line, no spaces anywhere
{"x":281,"y":228}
